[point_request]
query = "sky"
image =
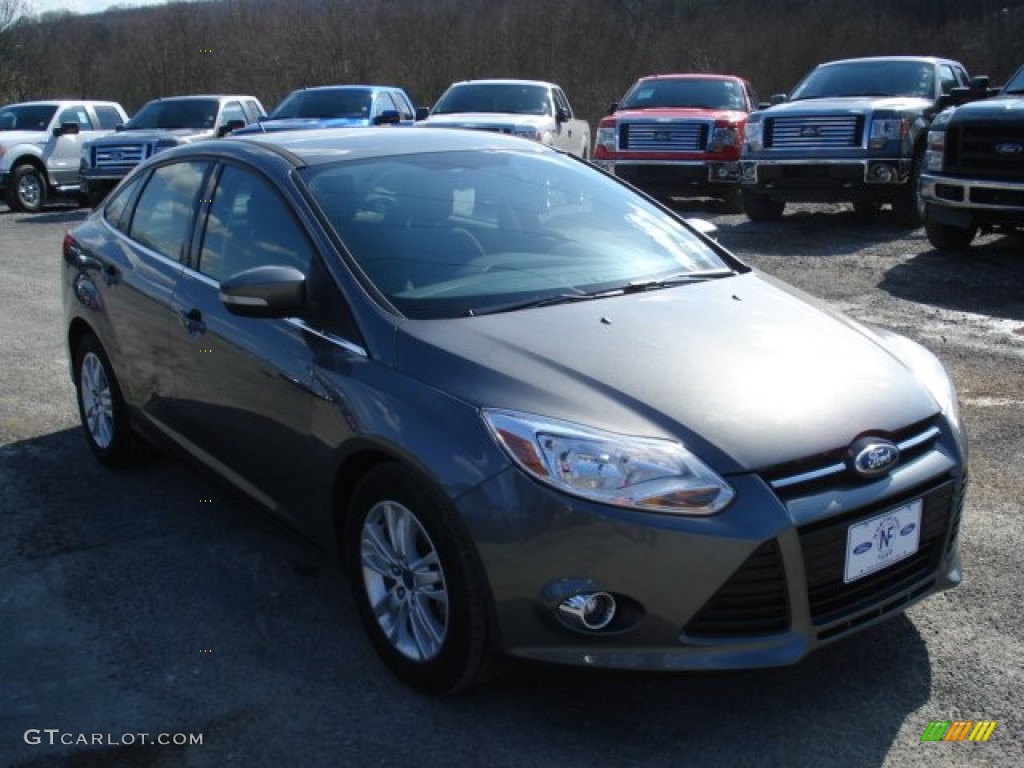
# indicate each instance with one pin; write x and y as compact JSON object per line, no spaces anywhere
{"x":85,"y":6}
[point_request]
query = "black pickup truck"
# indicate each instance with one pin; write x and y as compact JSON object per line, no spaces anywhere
{"x":850,"y":131}
{"x":973,"y":175}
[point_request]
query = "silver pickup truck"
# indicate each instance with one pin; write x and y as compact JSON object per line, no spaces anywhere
{"x":532,"y":109}
{"x":40,"y":144}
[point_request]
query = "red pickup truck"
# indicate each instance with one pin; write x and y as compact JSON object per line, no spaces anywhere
{"x":678,"y":135}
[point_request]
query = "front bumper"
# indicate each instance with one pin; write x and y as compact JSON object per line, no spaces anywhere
{"x":830,"y":180}
{"x":761,"y":584}
{"x":981,"y":200}
{"x":680,"y":177}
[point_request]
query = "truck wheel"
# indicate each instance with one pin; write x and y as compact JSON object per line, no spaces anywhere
{"x":908,"y":207}
{"x":945,"y":237}
{"x":733,"y":201}
{"x":866,"y":211}
{"x":761,"y":208}
{"x":27,"y":190}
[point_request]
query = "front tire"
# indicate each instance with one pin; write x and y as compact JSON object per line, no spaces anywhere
{"x":27,"y":189}
{"x":945,"y":237}
{"x":908,"y":207}
{"x":101,"y":406}
{"x":761,"y":208}
{"x":416,"y":584}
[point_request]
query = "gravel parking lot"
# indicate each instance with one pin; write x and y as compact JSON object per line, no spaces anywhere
{"x":158,"y":602}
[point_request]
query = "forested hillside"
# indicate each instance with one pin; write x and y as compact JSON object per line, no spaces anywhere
{"x":594,"y":48}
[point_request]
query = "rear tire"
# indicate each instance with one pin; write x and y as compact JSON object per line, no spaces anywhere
{"x":101,"y":407}
{"x":419,"y":591}
{"x":761,"y":208}
{"x":27,"y":189}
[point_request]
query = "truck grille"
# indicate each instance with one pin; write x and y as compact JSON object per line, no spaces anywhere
{"x":988,"y":149}
{"x":119,"y":155}
{"x":681,"y":136}
{"x":814,"y":131}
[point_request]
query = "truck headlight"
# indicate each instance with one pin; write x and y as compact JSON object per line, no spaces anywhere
{"x":643,"y":473}
{"x":722,"y":137}
{"x":754,"y":136}
{"x":886,"y":129}
{"x":606,"y":138}
{"x":935,"y":151}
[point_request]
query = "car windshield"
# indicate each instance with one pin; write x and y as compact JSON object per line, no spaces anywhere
{"x":460,"y":233}
{"x":197,"y":114}
{"x":340,"y":102}
{"x":29,"y":117}
{"x":867,"y":78}
{"x":512,"y":98}
{"x":1016,"y":83}
{"x":709,"y":94}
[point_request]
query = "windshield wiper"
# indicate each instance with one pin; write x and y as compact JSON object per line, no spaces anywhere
{"x":544,"y":301}
{"x":637,"y":286}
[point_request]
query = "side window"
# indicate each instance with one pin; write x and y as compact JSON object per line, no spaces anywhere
{"x":163,"y":216}
{"x":253,"y":109}
{"x":75,"y":114}
{"x":561,"y":102}
{"x":947,"y":78}
{"x":231,"y":111}
{"x":108,"y":117}
{"x":385,"y":103}
{"x":404,"y":106}
{"x":117,"y":210}
{"x":249,"y":225}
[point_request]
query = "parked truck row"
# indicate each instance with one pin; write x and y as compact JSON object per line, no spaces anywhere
{"x":914,"y":133}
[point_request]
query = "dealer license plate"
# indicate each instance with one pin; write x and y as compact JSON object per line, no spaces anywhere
{"x":874,"y":544}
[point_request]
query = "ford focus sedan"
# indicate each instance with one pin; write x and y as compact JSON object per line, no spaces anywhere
{"x":536,"y":414}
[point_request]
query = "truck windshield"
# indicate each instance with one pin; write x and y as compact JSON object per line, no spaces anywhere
{"x":198,"y":114}
{"x":706,"y":94}
{"x":511,"y":98}
{"x":30,"y":117}
{"x":341,"y":102}
{"x":868,"y":78}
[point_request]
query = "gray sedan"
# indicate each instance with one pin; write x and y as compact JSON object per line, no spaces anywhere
{"x":535,"y":413}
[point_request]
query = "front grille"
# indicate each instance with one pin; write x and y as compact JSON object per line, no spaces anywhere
{"x":752,"y":602}
{"x":119,"y":155}
{"x":824,"y":550}
{"x":680,"y":136}
{"x":833,"y":467}
{"x":814,"y":131}
{"x":992,"y":150}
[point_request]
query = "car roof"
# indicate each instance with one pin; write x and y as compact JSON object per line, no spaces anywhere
{"x":327,"y":145}
{"x":689,"y":76}
{"x":348,"y":87}
{"x":503,"y":81}
{"x":188,"y":97}
{"x":58,"y":102}
{"x":920,"y":59}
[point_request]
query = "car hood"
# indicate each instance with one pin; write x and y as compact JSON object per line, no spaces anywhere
{"x":304,"y":123}
{"x":998,"y":107}
{"x":10,"y":138}
{"x":681,"y":113}
{"x":149,"y":135}
{"x":854,"y":104}
{"x":746,"y":371}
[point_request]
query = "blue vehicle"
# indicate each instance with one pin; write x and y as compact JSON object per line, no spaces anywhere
{"x":339,"y":106}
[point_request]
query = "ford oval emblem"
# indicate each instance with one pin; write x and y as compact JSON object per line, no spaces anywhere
{"x":1009,"y":149}
{"x":810,"y":131}
{"x":873,"y":456}
{"x":860,"y":549}
{"x":906,"y":530}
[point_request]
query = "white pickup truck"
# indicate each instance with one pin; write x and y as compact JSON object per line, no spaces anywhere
{"x":529,"y":108}
{"x":40,"y":147}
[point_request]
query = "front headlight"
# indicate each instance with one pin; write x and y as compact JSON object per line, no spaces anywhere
{"x":935,"y":151}
{"x":722,"y":137}
{"x":886,"y":129}
{"x":606,"y":137}
{"x":639,"y":472}
{"x":754,"y":136}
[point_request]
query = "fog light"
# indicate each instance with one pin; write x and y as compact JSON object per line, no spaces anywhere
{"x":748,"y":173}
{"x":882,"y":173}
{"x":591,"y":610}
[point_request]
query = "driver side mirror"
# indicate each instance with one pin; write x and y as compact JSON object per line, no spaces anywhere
{"x":66,"y":129}
{"x":229,"y":126}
